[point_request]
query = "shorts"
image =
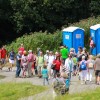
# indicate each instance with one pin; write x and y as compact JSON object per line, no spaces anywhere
{"x":3,"y":60}
{"x":97,"y":73}
{"x":11,"y":61}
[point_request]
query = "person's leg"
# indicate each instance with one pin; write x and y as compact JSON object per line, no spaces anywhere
{"x":43,"y":81}
{"x":91,"y":74}
{"x":18,"y":71}
{"x":29,"y":69}
{"x":85,"y":75}
{"x":98,"y":78}
{"x":47,"y":80}
{"x":81,"y":76}
{"x":49,"y":71}
{"x":70,"y":74}
{"x":54,"y":71}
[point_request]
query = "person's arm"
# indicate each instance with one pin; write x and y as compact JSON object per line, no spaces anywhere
{"x":18,"y":58}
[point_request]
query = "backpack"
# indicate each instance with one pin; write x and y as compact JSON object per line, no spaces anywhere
{"x":59,"y":88}
{"x":91,"y":65}
{"x":83,"y":66}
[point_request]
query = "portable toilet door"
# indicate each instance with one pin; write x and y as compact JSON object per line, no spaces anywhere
{"x":94,"y":33}
{"x":67,"y":38}
{"x":78,"y":38}
{"x":73,"y":37}
{"x":98,"y":41}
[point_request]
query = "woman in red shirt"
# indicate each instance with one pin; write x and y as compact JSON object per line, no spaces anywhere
{"x":57,"y":63}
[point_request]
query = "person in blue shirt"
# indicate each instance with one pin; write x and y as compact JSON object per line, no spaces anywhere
{"x":45,"y":74}
{"x":11,"y":59}
{"x":18,"y":63}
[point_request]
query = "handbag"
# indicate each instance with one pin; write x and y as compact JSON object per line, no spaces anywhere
{"x":52,"y":66}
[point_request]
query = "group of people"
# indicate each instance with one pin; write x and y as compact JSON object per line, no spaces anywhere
{"x":60,"y":66}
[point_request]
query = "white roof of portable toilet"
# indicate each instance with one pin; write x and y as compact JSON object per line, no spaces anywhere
{"x":71,"y":29}
{"x":95,"y":27}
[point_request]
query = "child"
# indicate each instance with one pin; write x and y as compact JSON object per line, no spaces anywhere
{"x":45,"y":74}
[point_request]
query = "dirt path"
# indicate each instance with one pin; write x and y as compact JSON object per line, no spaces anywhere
{"x":75,"y":86}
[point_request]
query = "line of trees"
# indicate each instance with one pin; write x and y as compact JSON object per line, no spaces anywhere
{"x":18,"y":17}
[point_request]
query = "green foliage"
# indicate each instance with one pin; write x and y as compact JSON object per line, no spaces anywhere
{"x":51,"y":41}
{"x":14,"y":91}
{"x":35,"y":40}
{"x":86,"y":24}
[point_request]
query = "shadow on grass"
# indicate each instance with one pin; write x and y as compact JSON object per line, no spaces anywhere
{"x":1,"y":76}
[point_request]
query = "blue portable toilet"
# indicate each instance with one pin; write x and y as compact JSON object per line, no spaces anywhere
{"x":95,"y":34}
{"x":73,"y":37}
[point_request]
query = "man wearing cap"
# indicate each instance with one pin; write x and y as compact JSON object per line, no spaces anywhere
{"x":30,"y":62}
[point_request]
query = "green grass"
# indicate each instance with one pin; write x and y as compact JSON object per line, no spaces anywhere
{"x":14,"y":91}
{"x":88,"y":95}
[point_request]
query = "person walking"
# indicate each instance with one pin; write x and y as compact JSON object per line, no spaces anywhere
{"x":69,"y":65}
{"x":64,"y":53}
{"x":97,"y":69}
{"x":30,"y":58}
{"x":24,"y":62}
{"x":3,"y":56}
{"x":90,"y":65}
{"x":18,"y":63}
{"x":50,"y":62}
{"x":57,"y":64}
{"x":11,"y":59}
{"x":45,"y":75}
{"x":40,"y":63}
{"x":83,"y":68}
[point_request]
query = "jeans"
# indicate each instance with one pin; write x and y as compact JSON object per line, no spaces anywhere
{"x":45,"y":79}
{"x":91,"y":49}
{"x":18,"y":71}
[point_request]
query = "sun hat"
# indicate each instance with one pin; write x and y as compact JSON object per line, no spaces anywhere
{"x":30,"y":51}
{"x":83,"y":57}
{"x":47,"y":51}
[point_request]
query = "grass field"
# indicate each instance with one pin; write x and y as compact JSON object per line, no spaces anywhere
{"x":14,"y":91}
{"x":88,"y":95}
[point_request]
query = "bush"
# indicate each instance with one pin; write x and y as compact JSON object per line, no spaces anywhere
{"x":37,"y":39}
{"x":51,"y":41}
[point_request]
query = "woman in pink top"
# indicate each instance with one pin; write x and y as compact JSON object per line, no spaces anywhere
{"x":91,"y":45}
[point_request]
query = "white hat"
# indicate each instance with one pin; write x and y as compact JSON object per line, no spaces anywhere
{"x":47,"y":50}
{"x":30,"y":51}
{"x":83,"y":57}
